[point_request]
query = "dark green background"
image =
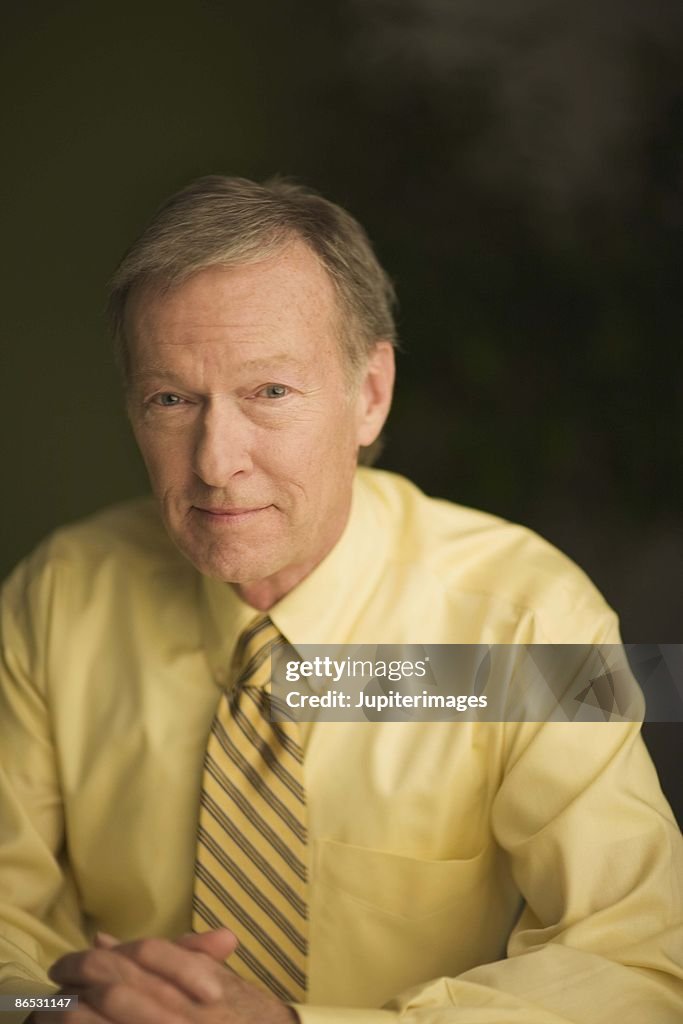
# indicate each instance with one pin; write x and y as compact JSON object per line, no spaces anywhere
{"x":521,"y":177}
{"x":541,"y":314}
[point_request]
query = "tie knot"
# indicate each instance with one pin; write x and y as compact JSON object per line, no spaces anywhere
{"x":252,"y":653}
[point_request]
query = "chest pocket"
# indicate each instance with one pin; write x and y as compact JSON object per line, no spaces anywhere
{"x":403,"y":887}
{"x":381,"y":922}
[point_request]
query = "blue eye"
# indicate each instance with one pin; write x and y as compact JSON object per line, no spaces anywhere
{"x":274,"y":391}
{"x":167,"y":399}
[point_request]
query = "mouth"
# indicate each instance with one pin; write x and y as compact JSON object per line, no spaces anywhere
{"x":218,"y":514}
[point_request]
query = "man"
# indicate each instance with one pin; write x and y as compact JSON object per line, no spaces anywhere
{"x":413,"y":872}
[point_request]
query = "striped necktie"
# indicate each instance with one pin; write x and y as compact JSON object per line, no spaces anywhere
{"x":251,"y":867}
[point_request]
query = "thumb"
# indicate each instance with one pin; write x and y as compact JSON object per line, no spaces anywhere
{"x":218,"y":944}
{"x":103,"y":940}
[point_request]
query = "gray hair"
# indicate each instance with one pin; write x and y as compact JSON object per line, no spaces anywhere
{"x":223,"y":221}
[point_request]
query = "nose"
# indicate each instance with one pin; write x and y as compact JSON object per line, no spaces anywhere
{"x":222,"y":447}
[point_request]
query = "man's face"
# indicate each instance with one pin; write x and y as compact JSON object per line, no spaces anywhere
{"x":246,"y":419}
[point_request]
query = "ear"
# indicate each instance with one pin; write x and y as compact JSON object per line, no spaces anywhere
{"x":375,"y":392}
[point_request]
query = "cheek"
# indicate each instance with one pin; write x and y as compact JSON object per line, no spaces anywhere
{"x":317,"y":458}
{"x":308,"y":466}
{"x":165,"y":458}
{"x":293,"y":452}
{"x":331,"y":460}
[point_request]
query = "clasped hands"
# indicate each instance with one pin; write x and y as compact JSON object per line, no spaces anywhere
{"x":157,"y":981}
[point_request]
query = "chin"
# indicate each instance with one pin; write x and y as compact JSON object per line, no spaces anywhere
{"x":228,"y":566}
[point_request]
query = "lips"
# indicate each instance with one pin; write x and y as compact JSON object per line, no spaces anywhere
{"x":229,"y":513}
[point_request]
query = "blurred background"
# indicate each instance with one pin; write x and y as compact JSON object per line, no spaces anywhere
{"x":519,"y":166}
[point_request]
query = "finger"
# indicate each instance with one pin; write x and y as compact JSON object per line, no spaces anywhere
{"x":218,"y":944}
{"x":191,"y":971}
{"x":89,"y":967}
{"x":99,"y":968}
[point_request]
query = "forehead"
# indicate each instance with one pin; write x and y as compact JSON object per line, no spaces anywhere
{"x":289,"y":291}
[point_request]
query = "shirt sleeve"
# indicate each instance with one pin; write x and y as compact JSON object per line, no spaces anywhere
{"x":40,"y":918}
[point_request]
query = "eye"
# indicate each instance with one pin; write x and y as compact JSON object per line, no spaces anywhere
{"x":167,"y":399}
{"x":274,"y":391}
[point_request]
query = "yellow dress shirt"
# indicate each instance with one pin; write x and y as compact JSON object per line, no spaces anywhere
{"x":469,"y":873}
